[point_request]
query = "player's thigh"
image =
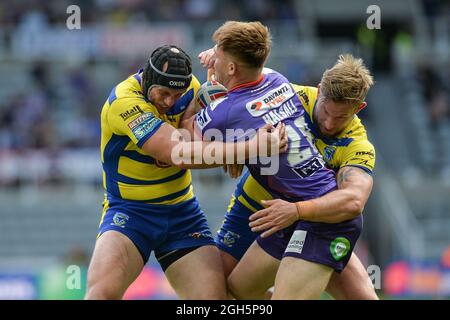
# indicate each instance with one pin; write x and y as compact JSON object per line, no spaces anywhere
{"x":300,"y":279}
{"x":198,"y":274}
{"x":115,"y":264}
{"x":353,"y":283}
{"x":253,"y":275}
{"x":234,"y":236}
{"x":228,"y":262}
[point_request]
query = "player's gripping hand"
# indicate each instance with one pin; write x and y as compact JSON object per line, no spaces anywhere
{"x":277,"y":215}
{"x":207,"y":58}
{"x":233,"y":170}
{"x":271,"y":140}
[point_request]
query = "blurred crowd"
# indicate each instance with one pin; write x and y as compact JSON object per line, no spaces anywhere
{"x":46,"y":114}
{"x":436,"y":91}
{"x":122,"y":12}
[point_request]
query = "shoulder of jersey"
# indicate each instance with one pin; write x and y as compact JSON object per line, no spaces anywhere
{"x":129,"y":89}
{"x":357,"y":128}
{"x":307,"y":95}
{"x":268,"y":71}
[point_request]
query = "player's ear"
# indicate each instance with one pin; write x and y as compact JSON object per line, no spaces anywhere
{"x":231,"y":68}
{"x":360,"y":107}
{"x":318,"y":89}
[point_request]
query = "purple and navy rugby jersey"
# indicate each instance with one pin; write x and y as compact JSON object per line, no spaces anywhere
{"x":302,"y":173}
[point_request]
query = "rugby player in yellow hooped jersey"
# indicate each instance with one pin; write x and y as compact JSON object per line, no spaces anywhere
{"x":149,"y":202}
{"x":342,"y":140}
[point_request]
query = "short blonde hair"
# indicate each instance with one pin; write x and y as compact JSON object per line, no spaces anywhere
{"x":249,"y":42}
{"x":348,"y":81}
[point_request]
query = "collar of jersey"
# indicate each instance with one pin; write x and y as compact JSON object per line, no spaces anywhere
{"x":248,"y":84}
{"x":139,"y":79}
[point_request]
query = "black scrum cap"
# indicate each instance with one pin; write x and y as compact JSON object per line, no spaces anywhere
{"x":179,"y":71}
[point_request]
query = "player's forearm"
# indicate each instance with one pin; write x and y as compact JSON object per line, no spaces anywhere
{"x":188,"y":116}
{"x":355,"y":186}
{"x":334,"y":207}
{"x":211,"y":154}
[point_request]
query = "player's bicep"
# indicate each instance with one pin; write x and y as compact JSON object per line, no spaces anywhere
{"x":356,"y":179}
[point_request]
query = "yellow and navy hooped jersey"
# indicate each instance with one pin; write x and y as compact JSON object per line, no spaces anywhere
{"x":128,"y":120}
{"x":350,"y":148}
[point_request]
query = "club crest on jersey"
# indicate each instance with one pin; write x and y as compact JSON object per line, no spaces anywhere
{"x":328,"y":153}
{"x":230,"y":238}
{"x":272,"y":99}
{"x":120,"y":219}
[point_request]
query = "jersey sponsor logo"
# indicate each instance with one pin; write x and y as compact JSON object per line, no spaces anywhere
{"x":302,"y":94}
{"x":131,"y":112}
{"x":198,"y":235}
{"x":120,"y":219}
{"x":297,"y":242}
{"x":136,"y":122}
{"x":339,"y":248}
{"x":272,"y":99}
{"x":371,"y":154}
{"x":202,"y":119}
{"x":309,"y":168}
{"x":143,"y":125}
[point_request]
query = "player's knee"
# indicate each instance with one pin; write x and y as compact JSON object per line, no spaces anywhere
{"x":100,"y":287}
{"x":233,"y":289}
{"x":102,"y":291}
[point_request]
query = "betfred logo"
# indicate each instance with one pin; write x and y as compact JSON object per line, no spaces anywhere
{"x":272,"y":99}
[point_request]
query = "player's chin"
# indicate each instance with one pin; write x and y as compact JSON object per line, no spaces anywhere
{"x":326,"y":133}
{"x":163,"y":109}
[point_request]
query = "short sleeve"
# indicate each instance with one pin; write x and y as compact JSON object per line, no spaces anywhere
{"x":360,"y":154}
{"x":133,"y":118}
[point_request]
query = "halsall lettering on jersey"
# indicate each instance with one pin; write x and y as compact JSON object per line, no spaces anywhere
{"x":285,"y":111}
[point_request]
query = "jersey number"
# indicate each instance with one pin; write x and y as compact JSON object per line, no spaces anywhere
{"x":295,"y":155}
